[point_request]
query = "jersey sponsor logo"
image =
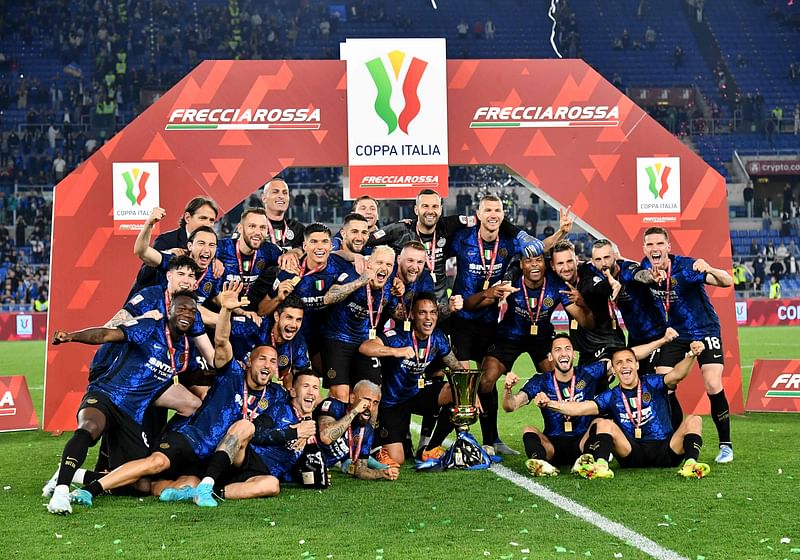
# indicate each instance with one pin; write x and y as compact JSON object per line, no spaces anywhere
{"x":257,"y":118}
{"x":161,"y":370}
{"x":554,"y":116}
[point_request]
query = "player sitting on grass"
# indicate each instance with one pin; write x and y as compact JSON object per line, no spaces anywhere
{"x":640,"y":434}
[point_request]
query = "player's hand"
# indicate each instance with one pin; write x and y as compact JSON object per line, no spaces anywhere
{"x":217,"y":268}
{"x":398,"y":288}
{"x":572,"y":292}
{"x":696,"y":348}
{"x":670,"y":334}
{"x":229,"y":296}
{"x":455,"y":303}
{"x":177,"y":251}
{"x":285,"y":288}
{"x":361,"y":406}
{"x":404,"y":352}
{"x":367,"y":274}
{"x":658,"y":273}
{"x":700,"y":265}
{"x":541,"y":400}
{"x":306,"y":429}
{"x":511,"y":379}
{"x":289,"y":262}
{"x":60,"y":337}
{"x":253,"y":316}
{"x":501,"y":291}
{"x":152,"y":314}
{"x":156,"y":216}
{"x":391,"y":473}
{"x":614,"y":283}
{"x":359,"y":263}
{"x":565,"y":220}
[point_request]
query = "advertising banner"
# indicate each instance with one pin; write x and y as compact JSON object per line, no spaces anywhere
{"x":768,"y":312}
{"x":16,"y":406}
{"x":774,"y":386}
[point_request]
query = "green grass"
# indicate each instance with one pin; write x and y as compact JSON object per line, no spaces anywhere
{"x":742,"y":510}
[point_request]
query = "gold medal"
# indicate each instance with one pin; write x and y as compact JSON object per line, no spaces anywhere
{"x":351,"y":468}
{"x":534,"y":330}
{"x":573,"y":325}
{"x":637,"y":433}
{"x":295,"y":280}
{"x":175,"y":380}
{"x":372,"y":334}
{"x":486,"y":285}
{"x":262,"y":404}
{"x":421,"y":383}
{"x":433,"y":277}
{"x":567,"y":426}
{"x":406,"y":325}
{"x":613,"y":324}
{"x":244,"y":301}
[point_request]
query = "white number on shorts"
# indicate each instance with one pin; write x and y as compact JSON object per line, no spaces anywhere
{"x":712,"y":343}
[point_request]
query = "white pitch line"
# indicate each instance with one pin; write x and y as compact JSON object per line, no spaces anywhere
{"x":572,"y":507}
{"x":630,"y":537}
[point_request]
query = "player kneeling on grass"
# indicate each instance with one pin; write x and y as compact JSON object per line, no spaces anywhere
{"x":346,"y":432}
{"x":640,"y":434}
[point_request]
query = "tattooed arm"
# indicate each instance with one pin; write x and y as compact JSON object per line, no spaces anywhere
{"x":94,"y":336}
{"x":451,"y":361}
{"x":338,"y":292}
{"x":121,"y":316}
{"x":331,"y":429}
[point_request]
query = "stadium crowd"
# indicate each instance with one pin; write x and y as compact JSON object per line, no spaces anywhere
{"x":374,"y":315}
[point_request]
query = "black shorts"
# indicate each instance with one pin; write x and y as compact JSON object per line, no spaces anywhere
{"x":673,"y":352}
{"x":471,"y":339}
{"x":250,"y":467}
{"x":507,"y":351}
{"x":647,"y":366}
{"x":125,"y":439}
{"x":650,"y":454}
{"x":567,"y":449}
{"x":182,"y":459}
{"x":395,"y":420}
{"x":343,"y":364}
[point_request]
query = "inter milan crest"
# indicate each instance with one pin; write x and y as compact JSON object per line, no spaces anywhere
{"x":283,"y":360}
{"x":503,"y":253}
{"x":259,"y":266}
{"x":289,"y":235}
{"x":548,"y":302}
{"x":646,"y":397}
{"x":580,"y":385}
{"x":207,"y":287}
{"x":331,"y":373}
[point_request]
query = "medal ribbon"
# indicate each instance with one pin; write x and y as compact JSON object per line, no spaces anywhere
{"x":200,"y":280}
{"x":304,"y":270}
{"x":248,"y":414}
{"x":483,"y":258}
{"x":558,"y":392}
{"x":354,"y":451}
{"x":528,"y":300}
{"x":415,"y":346}
{"x":272,"y":231}
{"x":669,"y":288}
{"x":242,"y":270}
{"x":373,"y":323}
{"x":275,"y":346}
{"x":634,"y":421}
{"x":430,"y":254}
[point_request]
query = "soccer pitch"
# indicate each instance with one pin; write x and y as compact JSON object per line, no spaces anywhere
{"x":747,"y":509}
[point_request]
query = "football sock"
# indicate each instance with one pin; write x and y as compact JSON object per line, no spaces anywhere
{"x":692,"y":444}
{"x":720,"y":414}
{"x":488,"y":418}
{"x":74,"y":455}
{"x":533,"y":446}
{"x":219,"y":463}
{"x":95,"y":489}
{"x":443,"y":427}
{"x":600,"y":446}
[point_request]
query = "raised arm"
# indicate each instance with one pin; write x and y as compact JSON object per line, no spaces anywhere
{"x":141,"y":247}
{"x":682,"y":368}
{"x":512,"y":402}
{"x":565,"y":221}
{"x":338,"y":292}
{"x":489,"y":296}
{"x":714,"y":276}
{"x":644,"y":350}
{"x":229,"y":299}
{"x":375,"y":348}
{"x":93,"y":335}
{"x":331,"y":429}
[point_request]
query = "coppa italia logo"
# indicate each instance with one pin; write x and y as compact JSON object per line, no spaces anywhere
{"x":658,"y":175}
{"x":658,"y":187}
{"x":135,"y":178}
{"x":383,"y":83}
